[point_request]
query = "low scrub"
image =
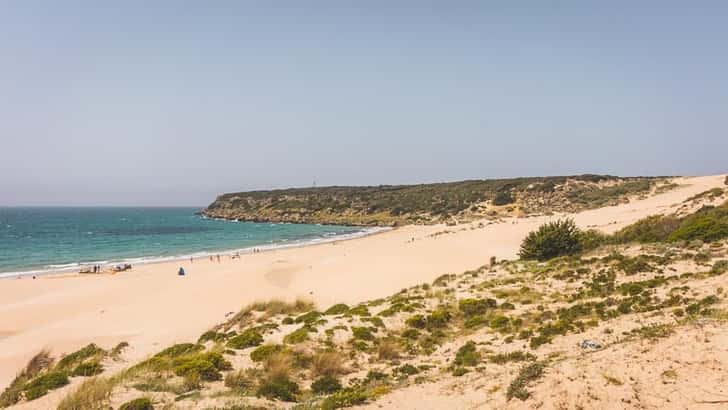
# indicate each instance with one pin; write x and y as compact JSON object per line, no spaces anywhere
{"x":141,"y":403}
{"x":91,"y":394}
{"x":527,"y":374}
{"x":553,"y":239}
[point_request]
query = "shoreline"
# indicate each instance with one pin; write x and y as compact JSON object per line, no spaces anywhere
{"x":73,"y":268}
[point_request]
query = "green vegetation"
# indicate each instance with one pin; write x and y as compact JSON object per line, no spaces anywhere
{"x":141,"y":403}
{"x":708,"y":224}
{"x":553,"y":239}
{"x":527,"y":374}
{"x":248,"y":338}
{"x":74,"y":359}
{"x":325,"y":385}
{"x":279,"y":387}
{"x":91,"y":394}
{"x":42,"y":384}
{"x":467,"y":355}
{"x":388,"y":205}
{"x":515,"y":356}
{"x":262,"y":353}
{"x":338,"y":309}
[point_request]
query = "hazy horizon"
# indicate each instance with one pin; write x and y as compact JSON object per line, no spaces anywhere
{"x":172,"y":104}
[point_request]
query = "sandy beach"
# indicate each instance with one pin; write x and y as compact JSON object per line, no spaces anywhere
{"x":151,"y":307}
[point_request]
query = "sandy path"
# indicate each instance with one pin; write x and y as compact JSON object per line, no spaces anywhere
{"x":152,"y":307}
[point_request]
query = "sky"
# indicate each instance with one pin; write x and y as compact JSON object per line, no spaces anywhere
{"x":174,"y":102}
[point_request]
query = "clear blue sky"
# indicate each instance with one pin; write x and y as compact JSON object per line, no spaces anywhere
{"x":173,"y":102}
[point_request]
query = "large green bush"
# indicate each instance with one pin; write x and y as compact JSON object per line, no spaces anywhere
{"x":553,"y":239}
{"x":708,"y":224}
{"x":654,"y":228}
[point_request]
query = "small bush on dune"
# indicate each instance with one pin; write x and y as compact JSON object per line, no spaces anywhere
{"x":91,"y":394}
{"x":13,"y":393}
{"x":72,"y":360}
{"x":526,"y":375}
{"x":40,"y":385}
{"x":338,"y":309}
{"x":473,"y":307}
{"x":262,"y":353}
{"x":559,"y":238}
{"x":179,"y":350}
{"x":325,"y":385}
{"x":249,"y":338}
{"x":280,"y":387}
{"x":86,"y":369}
{"x":345,"y":398}
{"x":297,"y":336}
{"x":198,"y":367}
{"x":141,"y":403}
{"x":467,"y":355}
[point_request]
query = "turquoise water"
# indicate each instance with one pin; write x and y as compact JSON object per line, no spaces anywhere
{"x":42,"y":239}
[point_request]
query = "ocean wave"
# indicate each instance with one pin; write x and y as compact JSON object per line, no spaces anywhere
{"x":327,"y":237}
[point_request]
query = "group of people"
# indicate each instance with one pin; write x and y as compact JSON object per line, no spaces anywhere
{"x":213,"y":258}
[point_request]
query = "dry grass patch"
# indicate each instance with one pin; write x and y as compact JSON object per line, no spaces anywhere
{"x":328,"y":364}
{"x":90,"y":395}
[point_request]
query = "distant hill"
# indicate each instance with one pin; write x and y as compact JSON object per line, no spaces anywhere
{"x":451,"y":202}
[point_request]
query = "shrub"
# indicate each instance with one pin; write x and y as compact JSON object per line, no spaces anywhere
{"x":708,"y":224}
{"x":362,"y":333}
{"x":338,"y":309}
{"x":179,"y":350}
{"x":297,"y":336}
{"x":345,"y":398}
{"x":308,"y":318}
{"x":475,"y":322}
{"x":262,"y":353}
{"x":71,"y":360}
{"x":439,"y":318}
{"x":417,"y":321}
{"x":88,"y":369}
{"x":325,"y":385}
{"x":515,"y":356}
{"x":40,"y":385}
{"x":198,"y":367}
{"x":719,"y":267}
{"x":467,"y":355}
{"x":248,"y":338}
{"x":526,"y":375}
{"x":650,"y":229}
{"x":280,"y":387}
{"x":141,"y":403}
{"x":91,"y":394}
{"x":361,"y":310}
{"x":472,"y":307}
{"x":213,"y":336}
{"x":13,"y":393}
{"x":551,"y":240}
{"x":503,"y":198}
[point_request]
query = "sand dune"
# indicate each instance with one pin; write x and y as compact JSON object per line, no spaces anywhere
{"x":151,"y":307}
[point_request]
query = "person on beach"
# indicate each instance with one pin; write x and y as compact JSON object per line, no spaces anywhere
{"x":181,"y":271}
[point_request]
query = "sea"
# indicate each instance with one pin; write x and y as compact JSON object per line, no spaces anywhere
{"x":38,"y":240}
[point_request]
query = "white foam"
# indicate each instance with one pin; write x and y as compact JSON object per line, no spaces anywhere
{"x":283,"y":244}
